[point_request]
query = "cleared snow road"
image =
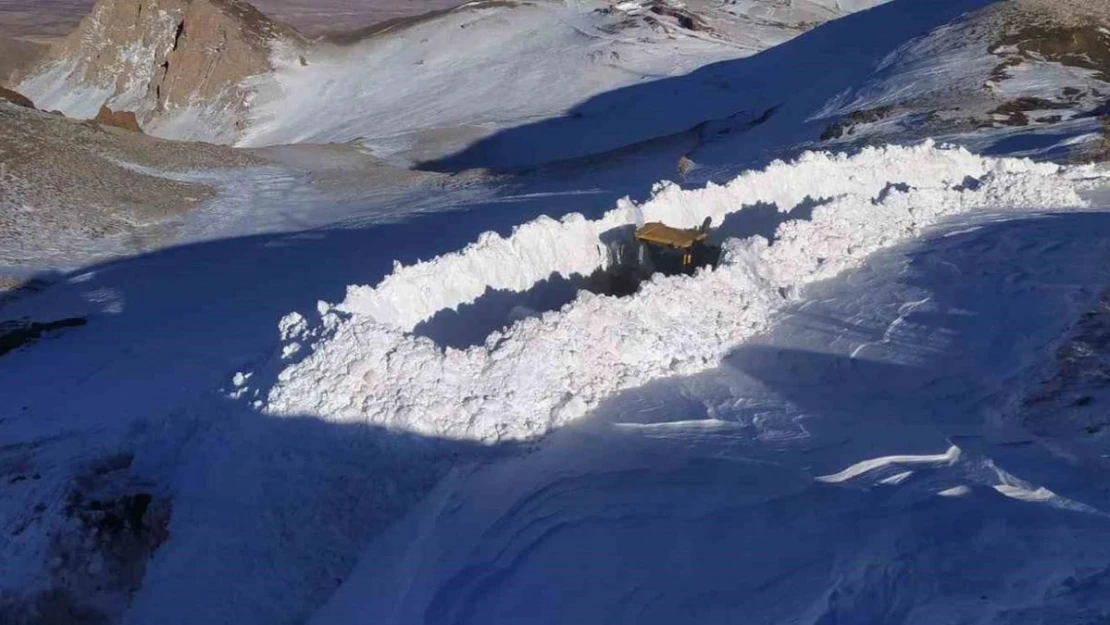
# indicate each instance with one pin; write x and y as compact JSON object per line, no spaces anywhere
{"x":860,"y":463}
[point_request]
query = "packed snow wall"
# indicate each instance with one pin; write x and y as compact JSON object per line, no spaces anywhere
{"x":576,"y":246}
{"x":360,"y":362}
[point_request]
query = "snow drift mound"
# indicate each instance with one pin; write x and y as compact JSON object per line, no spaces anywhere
{"x":363,"y":366}
{"x":575,"y":245}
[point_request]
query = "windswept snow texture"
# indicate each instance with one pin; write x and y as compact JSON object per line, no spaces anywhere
{"x":431,"y":88}
{"x":861,"y":462}
{"x":546,"y":371}
{"x":471,"y":70}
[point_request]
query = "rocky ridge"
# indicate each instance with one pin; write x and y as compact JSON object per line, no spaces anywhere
{"x":170,"y":62}
{"x":65,"y":184}
{"x":16,"y":98}
{"x":16,"y":55}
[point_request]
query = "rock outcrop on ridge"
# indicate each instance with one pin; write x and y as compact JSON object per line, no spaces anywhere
{"x":171,"y":62}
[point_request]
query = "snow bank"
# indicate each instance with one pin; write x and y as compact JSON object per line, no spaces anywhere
{"x":540,"y":248}
{"x":363,"y":366}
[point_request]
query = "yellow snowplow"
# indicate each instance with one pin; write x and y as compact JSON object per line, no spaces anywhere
{"x":669,"y":250}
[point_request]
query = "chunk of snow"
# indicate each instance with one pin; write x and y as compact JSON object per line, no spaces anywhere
{"x":866,"y":466}
{"x":955,"y":491}
{"x":292,"y":326}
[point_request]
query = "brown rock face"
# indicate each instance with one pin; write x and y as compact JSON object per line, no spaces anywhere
{"x":118,"y":119}
{"x":16,"y":55}
{"x":155,"y":57}
{"x":7,"y":95}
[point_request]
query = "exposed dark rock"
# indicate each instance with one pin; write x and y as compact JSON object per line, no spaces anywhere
{"x":56,"y":606}
{"x":685,"y":19}
{"x":16,"y":334}
{"x":846,"y":125}
{"x":18,"y":99}
{"x":1015,"y":111}
{"x":1086,"y":46}
{"x":105,"y":530}
{"x":125,"y":120}
{"x":1065,"y":403}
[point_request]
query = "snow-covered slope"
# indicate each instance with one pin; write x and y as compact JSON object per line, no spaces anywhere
{"x":1023,"y":77}
{"x":508,"y":85}
{"x":835,"y":425}
{"x":463,"y":74}
{"x":428,"y":89}
{"x":365,"y":417}
{"x":860,"y":463}
{"x":737,"y":110}
{"x":351,"y":371}
{"x":423,"y":87}
{"x":1019,"y":77}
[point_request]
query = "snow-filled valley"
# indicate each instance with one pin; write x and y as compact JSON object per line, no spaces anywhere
{"x":377,"y":377}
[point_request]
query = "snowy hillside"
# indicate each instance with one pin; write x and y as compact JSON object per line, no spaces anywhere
{"x":510,"y":86}
{"x":422,"y":88}
{"x":409,"y":90}
{"x":385,"y":367}
{"x":1017,"y":78}
{"x":520,"y":63}
{"x":1022,"y":77}
{"x":307,"y":510}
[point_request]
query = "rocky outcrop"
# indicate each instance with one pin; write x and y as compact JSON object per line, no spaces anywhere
{"x":125,"y":120}
{"x":163,"y":59}
{"x":16,"y":56}
{"x":18,"y":99}
{"x":1047,"y":67}
{"x":66,"y":184}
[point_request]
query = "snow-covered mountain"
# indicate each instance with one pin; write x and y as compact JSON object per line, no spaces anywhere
{"x":1025,"y":77}
{"x":220,"y":71}
{"x":377,"y":375}
{"x":461,"y":88}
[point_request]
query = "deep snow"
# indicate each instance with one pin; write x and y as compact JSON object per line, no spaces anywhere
{"x":547,"y":370}
{"x":861,"y":462}
{"x":148,"y":375}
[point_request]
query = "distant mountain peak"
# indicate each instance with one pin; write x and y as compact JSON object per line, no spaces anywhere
{"x":160,"y":58}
